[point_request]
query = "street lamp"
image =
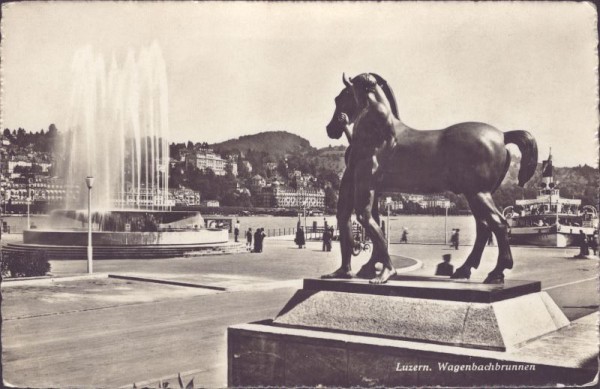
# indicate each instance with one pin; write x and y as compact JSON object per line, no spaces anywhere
{"x":28,"y":201}
{"x":446,"y":205}
{"x":89,"y":181}
{"x":388,"y":203}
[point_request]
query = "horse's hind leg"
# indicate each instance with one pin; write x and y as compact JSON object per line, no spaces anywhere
{"x":499,"y":227}
{"x":483,"y":233}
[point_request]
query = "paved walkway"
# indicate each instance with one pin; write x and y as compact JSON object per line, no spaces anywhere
{"x":105,"y":332}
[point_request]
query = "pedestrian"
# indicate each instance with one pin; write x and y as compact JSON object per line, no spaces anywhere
{"x":325,"y":232}
{"x":300,"y":241}
{"x":262,"y":239}
{"x":330,"y":234}
{"x":327,"y":240}
{"x":249,"y":239}
{"x":456,"y":239}
{"x":236,"y":230}
{"x":594,"y":242}
{"x":583,"y":246}
{"x":257,"y":241}
{"x":404,"y":238}
{"x":445,"y":268}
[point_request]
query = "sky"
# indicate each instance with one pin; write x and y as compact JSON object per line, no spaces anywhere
{"x":240,"y":68}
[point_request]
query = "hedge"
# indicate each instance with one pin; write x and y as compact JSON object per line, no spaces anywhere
{"x":24,"y":264}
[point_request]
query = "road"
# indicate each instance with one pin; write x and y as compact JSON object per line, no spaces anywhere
{"x":111,"y":333}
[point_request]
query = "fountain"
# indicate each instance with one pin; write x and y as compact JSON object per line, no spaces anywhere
{"x":118,"y":132}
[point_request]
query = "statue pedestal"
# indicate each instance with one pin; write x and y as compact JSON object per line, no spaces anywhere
{"x":414,"y":331}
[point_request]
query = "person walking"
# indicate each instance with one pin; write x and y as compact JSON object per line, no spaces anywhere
{"x":327,"y":236}
{"x":257,"y":241}
{"x":325,"y":232}
{"x":300,"y":241}
{"x":249,"y":239}
{"x":236,"y":230}
{"x":594,"y":242}
{"x":456,"y":239}
{"x":262,"y":236}
{"x":404,"y":238}
{"x":583,"y":246}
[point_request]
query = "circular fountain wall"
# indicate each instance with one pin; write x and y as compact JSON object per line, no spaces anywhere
{"x":123,"y":234}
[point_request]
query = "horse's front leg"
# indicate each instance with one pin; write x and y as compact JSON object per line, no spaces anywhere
{"x":344,"y":214}
{"x":364,"y":198}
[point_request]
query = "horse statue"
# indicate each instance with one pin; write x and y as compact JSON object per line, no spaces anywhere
{"x":386,"y":155}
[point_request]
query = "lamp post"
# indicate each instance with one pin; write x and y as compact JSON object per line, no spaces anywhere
{"x":388,"y":203}
{"x":89,"y":181}
{"x":446,"y":205}
{"x":28,"y":201}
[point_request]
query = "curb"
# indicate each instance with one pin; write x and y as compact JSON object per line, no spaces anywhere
{"x":50,"y":280}
{"x":418,"y":265}
{"x":166,"y":282}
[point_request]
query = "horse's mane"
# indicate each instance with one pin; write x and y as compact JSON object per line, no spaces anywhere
{"x":388,"y":93}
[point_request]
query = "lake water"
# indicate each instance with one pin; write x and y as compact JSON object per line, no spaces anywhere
{"x":422,"y":229}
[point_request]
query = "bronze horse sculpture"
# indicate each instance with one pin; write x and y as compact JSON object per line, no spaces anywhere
{"x":386,"y":155}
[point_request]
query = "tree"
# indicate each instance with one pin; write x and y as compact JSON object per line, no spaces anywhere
{"x":243,"y":172}
{"x":331,"y":198}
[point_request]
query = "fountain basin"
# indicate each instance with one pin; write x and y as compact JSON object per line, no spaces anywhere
{"x":124,"y":234}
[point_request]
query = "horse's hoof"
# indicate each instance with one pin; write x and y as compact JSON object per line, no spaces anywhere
{"x":494,"y":279}
{"x":461,"y":274}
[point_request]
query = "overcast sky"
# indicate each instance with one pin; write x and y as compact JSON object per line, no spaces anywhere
{"x":241,"y":68}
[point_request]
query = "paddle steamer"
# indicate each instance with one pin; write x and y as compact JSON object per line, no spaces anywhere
{"x":550,"y":220}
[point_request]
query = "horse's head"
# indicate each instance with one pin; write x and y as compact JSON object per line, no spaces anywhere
{"x":345,"y":103}
{"x":353,"y":96}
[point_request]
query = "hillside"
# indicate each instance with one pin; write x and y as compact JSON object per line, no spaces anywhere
{"x":276,"y":143}
{"x":330,"y":158}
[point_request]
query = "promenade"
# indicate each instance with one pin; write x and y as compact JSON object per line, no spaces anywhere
{"x":99,"y":331}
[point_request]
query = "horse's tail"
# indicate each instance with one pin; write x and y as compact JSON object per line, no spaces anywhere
{"x":529,"y":153}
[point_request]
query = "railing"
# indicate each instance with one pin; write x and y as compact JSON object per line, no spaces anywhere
{"x":311,"y":234}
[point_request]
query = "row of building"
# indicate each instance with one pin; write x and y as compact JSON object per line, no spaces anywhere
{"x":396,"y":201}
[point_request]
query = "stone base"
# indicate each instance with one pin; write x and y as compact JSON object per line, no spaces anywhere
{"x":466,"y":314}
{"x":415,"y":331}
{"x":262,"y":354}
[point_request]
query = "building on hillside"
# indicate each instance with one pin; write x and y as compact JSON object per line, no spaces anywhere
{"x":39,"y":189}
{"x":207,"y":159}
{"x":146,"y":198}
{"x":185,"y":197}
{"x":395,"y":204}
{"x":413,"y":198}
{"x":258,"y":182}
{"x":248,"y":166}
{"x":436,"y":201}
{"x":271,"y":166}
{"x":428,"y":201}
{"x":278,"y":196}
